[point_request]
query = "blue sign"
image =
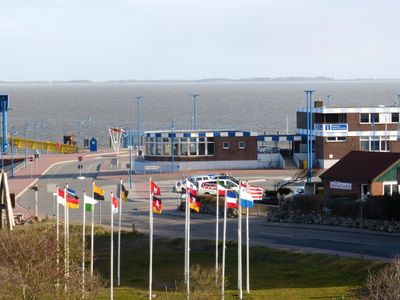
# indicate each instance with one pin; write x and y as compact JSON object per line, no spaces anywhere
{"x":331,"y":127}
{"x":3,"y":103}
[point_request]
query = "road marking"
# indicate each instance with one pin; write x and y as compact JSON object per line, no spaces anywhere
{"x":277,"y":234}
{"x":343,"y":241}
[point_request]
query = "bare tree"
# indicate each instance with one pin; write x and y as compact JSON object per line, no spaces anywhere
{"x":28,"y":266}
{"x":384,"y":284}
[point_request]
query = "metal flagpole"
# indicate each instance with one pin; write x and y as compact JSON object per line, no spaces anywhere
{"x":92,"y":237}
{"x":247,"y":252}
{"x":223,"y":251}
{"x":187,"y":238}
{"x":83,"y":245}
{"x":240,"y":244}
{"x":65,"y":238}
{"x":58,"y":233}
{"x":119,"y":235}
{"x":112,"y":251}
{"x":151,"y":239}
{"x":100,"y":212}
{"x":216,"y":233}
{"x":186,"y":228}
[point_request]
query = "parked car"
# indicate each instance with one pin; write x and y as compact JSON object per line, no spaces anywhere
{"x":180,"y":185}
{"x":209,"y":187}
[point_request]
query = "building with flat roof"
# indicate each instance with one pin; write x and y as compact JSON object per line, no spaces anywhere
{"x":339,"y":130}
{"x":181,"y":150}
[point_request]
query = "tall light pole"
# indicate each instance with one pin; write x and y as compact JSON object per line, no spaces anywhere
{"x":13,"y":133}
{"x":328,"y":97}
{"x":194,"y":125}
{"x":79,"y":134}
{"x":43,"y":124}
{"x":172,"y":146}
{"x":89,"y":133}
{"x":138,"y":98}
{"x":26,"y":128}
{"x":310,"y":124}
{"x":35,"y":126}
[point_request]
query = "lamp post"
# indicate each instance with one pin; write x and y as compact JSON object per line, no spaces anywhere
{"x":78,"y":142}
{"x":35,"y":126}
{"x":309,"y":133}
{"x":138,"y":98}
{"x":194,"y":123}
{"x":43,"y":124}
{"x":362,"y":202}
{"x":26,"y":128}
{"x":13,"y":133}
{"x":172,"y":145}
{"x":89,"y":133}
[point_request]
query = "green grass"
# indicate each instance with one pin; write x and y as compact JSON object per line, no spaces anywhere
{"x":275,"y":274}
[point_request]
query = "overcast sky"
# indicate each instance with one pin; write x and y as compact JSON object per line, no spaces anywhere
{"x":193,"y":39}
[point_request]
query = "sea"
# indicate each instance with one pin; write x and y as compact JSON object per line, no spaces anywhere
{"x":262,"y":106}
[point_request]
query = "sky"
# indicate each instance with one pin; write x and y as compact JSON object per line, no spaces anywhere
{"x":104,"y":40}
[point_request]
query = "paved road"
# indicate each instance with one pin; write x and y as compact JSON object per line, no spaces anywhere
{"x":324,"y":239}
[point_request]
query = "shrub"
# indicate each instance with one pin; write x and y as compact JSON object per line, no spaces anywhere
{"x":384,"y":284}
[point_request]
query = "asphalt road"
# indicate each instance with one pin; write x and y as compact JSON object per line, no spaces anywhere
{"x":313,"y":238}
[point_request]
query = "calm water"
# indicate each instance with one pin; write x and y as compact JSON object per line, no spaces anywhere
{"x":256,"y":106}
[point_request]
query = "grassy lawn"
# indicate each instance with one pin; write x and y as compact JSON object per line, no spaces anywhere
{"x":275,"y":274}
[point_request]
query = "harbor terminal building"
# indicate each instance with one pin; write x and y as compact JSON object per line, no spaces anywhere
{"x":339,"y":130}
{"x":335,"y":131}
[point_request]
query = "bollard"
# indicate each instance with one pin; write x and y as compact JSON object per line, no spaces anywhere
{"x":133,"y":227}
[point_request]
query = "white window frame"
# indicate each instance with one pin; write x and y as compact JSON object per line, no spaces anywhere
{"x":334,"y":139}
{"x":226,"y":147}
{"x":391,"y":184}
{"x":244,"y":145}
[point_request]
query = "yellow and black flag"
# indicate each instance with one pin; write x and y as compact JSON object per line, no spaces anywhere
{"x":124,"y":193}
{"x":98,"y":193}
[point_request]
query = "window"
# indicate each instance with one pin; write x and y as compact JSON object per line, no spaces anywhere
{"x":390,"y":187}
{"x":364,"y":118}
{"x":374,"y":118}
{"x":242,"y":145}
{"x":378,"y":143}
{"x":336,"y":139}
{"x":395,"y":117}
{"x":226,"y":145}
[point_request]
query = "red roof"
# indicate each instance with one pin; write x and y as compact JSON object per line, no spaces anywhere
{"x":361,"y":165}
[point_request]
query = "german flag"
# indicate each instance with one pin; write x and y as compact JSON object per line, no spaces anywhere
{"x":98,"y":193}
{"x":157,"y":205}
{"x":124,"y":193}
{"x":72,"y":199}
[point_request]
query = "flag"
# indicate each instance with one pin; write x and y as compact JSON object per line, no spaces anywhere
{"x":192,"y":194}
{"x":246,"y":200}
{"x":231,"y":199}
{"x":114,"y":205}
{"x":221,"y":188}
{"x":89,"y":203}
{"x":157,"y":205}
{"x":72,"y":199}
{"x":155,"y":189}
{"x":98,"y":193}
{"x":60,"y":197}
{"x":124,"y":192}
{"x":256,"y":192}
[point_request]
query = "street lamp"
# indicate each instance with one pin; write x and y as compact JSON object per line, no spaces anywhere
{"x":138,"y":98}
{"x":43,"y":124}
{"x":172,"y":145}
{"x":26,"y":128}
{"x":362,"y":202}
{"x":35,"y":125}
{"x":194,"y":122}
{"x":79,"y":134}
{"x":89,"y":133}
{"x":13,"y":132}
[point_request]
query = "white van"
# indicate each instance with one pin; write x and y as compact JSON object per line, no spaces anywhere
{"x":209,"y":187}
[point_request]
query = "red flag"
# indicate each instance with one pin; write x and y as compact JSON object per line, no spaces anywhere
{"x":155,"y":189}
{"x":114,"y":205}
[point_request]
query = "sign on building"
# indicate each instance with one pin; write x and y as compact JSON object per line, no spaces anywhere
{"x":340,"y":185}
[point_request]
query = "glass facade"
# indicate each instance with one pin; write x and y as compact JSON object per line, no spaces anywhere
{"x":182,"y":146}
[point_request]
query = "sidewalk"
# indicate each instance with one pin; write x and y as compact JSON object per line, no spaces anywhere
{"x":23,"y":180}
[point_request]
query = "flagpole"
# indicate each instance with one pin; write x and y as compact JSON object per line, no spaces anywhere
{"x":83,"y":245}
{"x":58,"y":233}
{"x":240,"y":245}
{"x":247,"y":252}
{"x":65,"y":238}
{"x":223,"y":250}
{"x":92,"y":236}
{"x":119,"y":235}
{"x":216,"y":233}
{"x":186,"y":210}
{"x":112,"y":251}
{"x":151,"y":239}
{"x":187,"y":244}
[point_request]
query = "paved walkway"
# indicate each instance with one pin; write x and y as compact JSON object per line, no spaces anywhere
{"x":25,"y":177}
